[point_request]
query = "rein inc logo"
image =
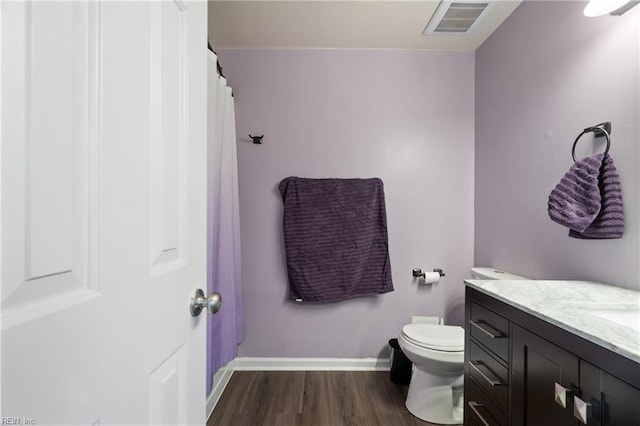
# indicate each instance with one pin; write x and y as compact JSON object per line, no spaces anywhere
{"x":17,"y":421}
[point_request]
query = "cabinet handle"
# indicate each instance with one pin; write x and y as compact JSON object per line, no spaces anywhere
{"x":487,"y":329}
{"x":583,"y":411}
{"x":474,"y":407}
{"x":560,"y":395}
{"x":492,"y":381}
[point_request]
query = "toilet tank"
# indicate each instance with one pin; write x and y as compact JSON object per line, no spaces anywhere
{"x":486,"y":273}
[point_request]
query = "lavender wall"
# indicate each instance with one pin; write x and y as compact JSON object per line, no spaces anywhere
{"x":547,"y":73}
{"x":406,"y":117}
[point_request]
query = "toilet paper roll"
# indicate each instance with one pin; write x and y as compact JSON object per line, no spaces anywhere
{"x":431,"y":277}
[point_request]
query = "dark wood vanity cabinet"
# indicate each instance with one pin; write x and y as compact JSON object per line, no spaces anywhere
{"x":521,"y":370}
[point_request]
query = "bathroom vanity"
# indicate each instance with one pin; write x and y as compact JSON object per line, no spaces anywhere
{"x":551,"y":353}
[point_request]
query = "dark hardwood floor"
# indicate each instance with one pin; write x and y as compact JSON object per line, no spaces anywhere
{"x":312,"y":398}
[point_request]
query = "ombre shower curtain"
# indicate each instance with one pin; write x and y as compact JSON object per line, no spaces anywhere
{"x":225,"y":330}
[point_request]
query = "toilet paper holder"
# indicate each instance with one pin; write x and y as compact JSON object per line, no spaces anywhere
{"x":417,"y":272}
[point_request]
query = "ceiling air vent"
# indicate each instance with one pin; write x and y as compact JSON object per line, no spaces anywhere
{"x":455,"y":17}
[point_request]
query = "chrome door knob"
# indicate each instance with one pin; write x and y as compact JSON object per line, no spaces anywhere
{"x":199,"y":302}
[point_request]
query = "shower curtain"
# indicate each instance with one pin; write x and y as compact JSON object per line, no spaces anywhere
{"x":225,"y":330}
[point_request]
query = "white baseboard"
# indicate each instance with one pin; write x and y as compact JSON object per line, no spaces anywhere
{"x":312,"y":364}
{"x":220,"y":381}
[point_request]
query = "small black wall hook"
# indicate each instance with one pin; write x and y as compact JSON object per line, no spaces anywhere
{"x":257,"y":139}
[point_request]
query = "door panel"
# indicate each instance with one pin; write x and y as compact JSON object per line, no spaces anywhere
{"x":619,"y":402}
{"x":169,"y":130}
{"x":613,"y":401}
{"x":168,"y":385}
{"x":50,"y":176}
{"x":103,"y":211}
{"x":536,"y":366}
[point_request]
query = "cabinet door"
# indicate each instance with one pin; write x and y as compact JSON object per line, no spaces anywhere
{"x":537,"y":366}
{"x":614,"y":402}
{"x":620,"y":402}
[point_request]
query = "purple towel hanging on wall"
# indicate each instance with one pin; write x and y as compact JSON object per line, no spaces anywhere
{"x":588,"y":199}
{"x":335,"y":236}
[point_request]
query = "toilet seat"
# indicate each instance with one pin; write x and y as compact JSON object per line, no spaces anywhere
{"x":446,"y":338}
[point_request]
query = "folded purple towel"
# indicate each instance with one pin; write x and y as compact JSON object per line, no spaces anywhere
{"x":335,"y":237}
{"x":588,"y":199}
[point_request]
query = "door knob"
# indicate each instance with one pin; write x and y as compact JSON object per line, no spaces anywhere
{"x":199,"y":302}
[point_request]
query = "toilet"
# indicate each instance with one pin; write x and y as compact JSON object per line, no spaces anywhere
{"x":437,"y":382}
{"x":437,"y":353}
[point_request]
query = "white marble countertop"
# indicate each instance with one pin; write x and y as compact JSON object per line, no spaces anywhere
{"x":605,"y":315}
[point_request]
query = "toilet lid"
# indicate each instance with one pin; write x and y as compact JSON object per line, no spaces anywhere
{"x":439,"y":337}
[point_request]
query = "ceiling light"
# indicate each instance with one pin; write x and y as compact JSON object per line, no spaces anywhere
{"x":613,"y":7}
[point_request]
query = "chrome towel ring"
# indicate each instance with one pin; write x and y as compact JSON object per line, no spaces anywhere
{"x":602,"y":129}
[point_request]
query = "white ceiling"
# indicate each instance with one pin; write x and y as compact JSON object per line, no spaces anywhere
{"x":355,"y":24}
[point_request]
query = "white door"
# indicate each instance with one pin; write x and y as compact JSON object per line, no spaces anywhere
{"x":103,"y":209}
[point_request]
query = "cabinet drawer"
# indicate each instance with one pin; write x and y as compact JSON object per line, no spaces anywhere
{"x":490,"y":375}
{"x":491,"y":329}
{"x":481,"y":411}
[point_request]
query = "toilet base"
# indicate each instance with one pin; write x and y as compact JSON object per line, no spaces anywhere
{"x":436,"y":399}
